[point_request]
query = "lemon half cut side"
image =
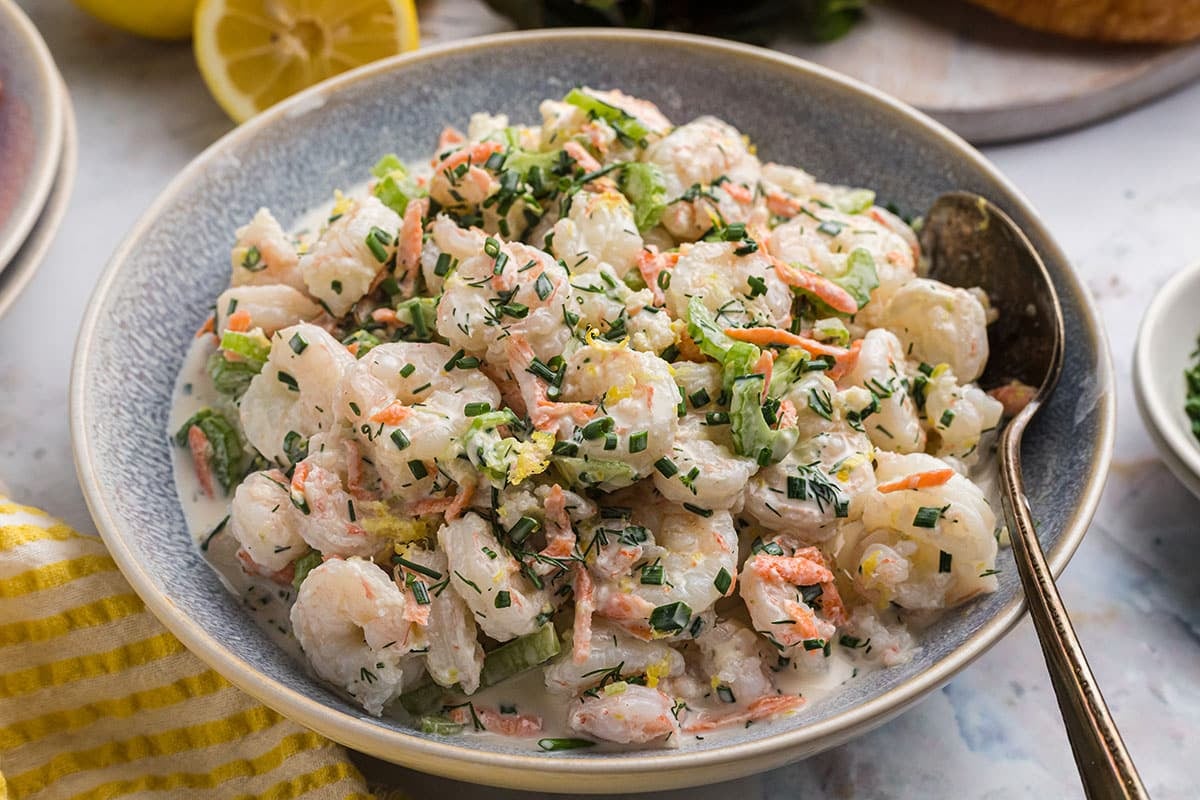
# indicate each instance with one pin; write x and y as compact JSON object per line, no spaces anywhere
{"x":254,"y":53}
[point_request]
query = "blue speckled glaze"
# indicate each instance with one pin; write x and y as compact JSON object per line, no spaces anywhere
{"x":161,"y":283}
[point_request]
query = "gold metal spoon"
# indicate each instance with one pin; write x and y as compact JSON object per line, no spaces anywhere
{"x":971,"y":242}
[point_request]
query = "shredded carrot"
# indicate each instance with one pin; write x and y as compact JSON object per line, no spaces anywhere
{"x":829,"y":292}
{"x":581,"y":156}
{"x":201,"y":449}
{"x":450,"y":136}
{"x":300,"y":476}
{"x":765,"y":337}
{"x":764,"y":365}
{"x":845,"y":363}
{"x":352,"y":348}
{"x":385,"y":315}
{"x":238,"y":321}
{"x":738,"y":192}
{"x":782,"y":205}
{"x":209,"y":326}
{"x":918,"y":480}
{"x":474,"y":154}
{"x":393,"y":414}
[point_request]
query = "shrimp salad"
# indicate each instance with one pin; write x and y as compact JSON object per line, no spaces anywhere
{"x":597,"y":430}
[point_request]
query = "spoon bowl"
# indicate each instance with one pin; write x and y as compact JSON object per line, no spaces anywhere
{"x":969,"y":241}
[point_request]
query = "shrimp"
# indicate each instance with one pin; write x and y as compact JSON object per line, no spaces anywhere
{"x":938,"y":324}
{"x":824,"y":239}
{"x":411,"y":241}
{"x":881,"y":403}
{"x":922,"y":548}
{"x":460,"y":181}
{"x":490,"y":719}
{"x":732,"y":657}
{"x":265,"y":255}
{"x":760,"y":708}
{"x":455,"y":656}
{"x":604,"y":302}
{"x":613,"y":653}
{"x":349,"y":618}
{"x":407,"y":402}
{"x":816,"y":486}
{"x":342,"y":265}
{"x":690,"y":550}
{"x":519,"y":290}
{"x":268,"y":307}
{"x":561,"y":121}
{"x":328,"y":519}
{"x":739,"y":290}
{"x":599,"y":228}
{"x":701,"y":161}
{"x":293,"y":394}
{"x":774,"y":589}
{"x":457,"y":243}
{"x":485,"y":575}
{"x":627,"y":713}
{"x":263,"y":521}
{"x":957,"y":416}
{"x":709,"y":473}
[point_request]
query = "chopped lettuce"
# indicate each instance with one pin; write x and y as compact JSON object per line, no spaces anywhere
{"x":252,"y":347}
{"x":599,"y":473}
{"x":860,"y":276}
{"x":395,"y":187}
{"x":230,"y":377}
{"x":752,"y":436}
{"x":705,"y":332}
{"x":646,"y":189}
{"x":304,"y":565}
{"x":853,"y":201}
{"x":227,"y":457}
{"x":630,"y":129}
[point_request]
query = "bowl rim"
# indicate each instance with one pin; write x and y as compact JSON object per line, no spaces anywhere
{"x":1180,"y":451}
{"x":655,"y":769}
{"x":48,"y":132}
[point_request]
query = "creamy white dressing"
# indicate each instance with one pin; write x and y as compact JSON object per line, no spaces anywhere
{"x":269,"y":603}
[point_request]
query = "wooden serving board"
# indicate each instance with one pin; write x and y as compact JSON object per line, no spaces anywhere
{"x":987,"y":79}
{"x":990,"y":80}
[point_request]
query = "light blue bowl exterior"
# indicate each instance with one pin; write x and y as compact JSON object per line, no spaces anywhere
{"x":162,"y":281}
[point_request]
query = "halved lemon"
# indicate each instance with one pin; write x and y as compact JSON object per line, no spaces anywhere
{"x":254,"y":53}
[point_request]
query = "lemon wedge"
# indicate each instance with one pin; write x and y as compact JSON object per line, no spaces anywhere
{"x":157,"y":19}
{"x":254,"y":53}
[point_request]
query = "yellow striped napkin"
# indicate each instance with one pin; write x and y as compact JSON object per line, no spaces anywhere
{"x":98,"y":700}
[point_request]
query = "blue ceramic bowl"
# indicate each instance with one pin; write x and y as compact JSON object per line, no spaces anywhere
{"x":160,"y":283}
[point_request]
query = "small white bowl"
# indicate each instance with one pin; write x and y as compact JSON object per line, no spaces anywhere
{"x":1165,"y":343}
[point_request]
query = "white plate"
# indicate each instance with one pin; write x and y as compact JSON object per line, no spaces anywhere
{"x":1165,"y":344}
{"x":31,"y":252}
{"x":31,"y":127}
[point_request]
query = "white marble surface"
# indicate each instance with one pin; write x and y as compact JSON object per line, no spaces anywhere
{"x":1122,"y":197}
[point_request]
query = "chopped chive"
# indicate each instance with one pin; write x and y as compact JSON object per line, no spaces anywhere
{"x":407,"y":369}
{"x":420,"y":593}
{"x":501,"y":261}
{"x":669,"y":353}
{"x":415,"y":567}
{"x":723,"y":581}
{"x":551,"y":745}
{"x":663,"y":280}
{"x":442,"y":267}
{"x":418,"y":469}
{"x":297,"y":344}
{"x":252,"y":261}
{"x":716,"y":418}
{"x":699,"y":398}
{"x":927,"y":517}
{"x":666,"y":467}
{"x":354,"y":407}
{"x":652,"y":575}
{"x":671,"y":617}
{"x":288,"y":381}
{"x":814,"y":644}
{"x":944,"y":560}
{"x":703,"y":512}
{"x":543,"y":286}
{"x":336,"y":286}
{"x":797,"y":488}
{"x":378,"y":240}
{"x":521,"y":529}
{"x":568,"y":449}
{"x":638,"y":441}
{"x":514,"y":310}
{"x":758,"y":286}
{"x":475,"y":409}
{"x":947,"y":418}
{"x":597,"y":428}
{"x":399,"y":439}
{"x":830,"y":227}
{"x":503,"y":599}
{"x":610,"y":441}
{"x":491,"y":247}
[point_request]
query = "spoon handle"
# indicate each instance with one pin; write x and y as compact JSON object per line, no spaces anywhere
{"x":1104,"y":764}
